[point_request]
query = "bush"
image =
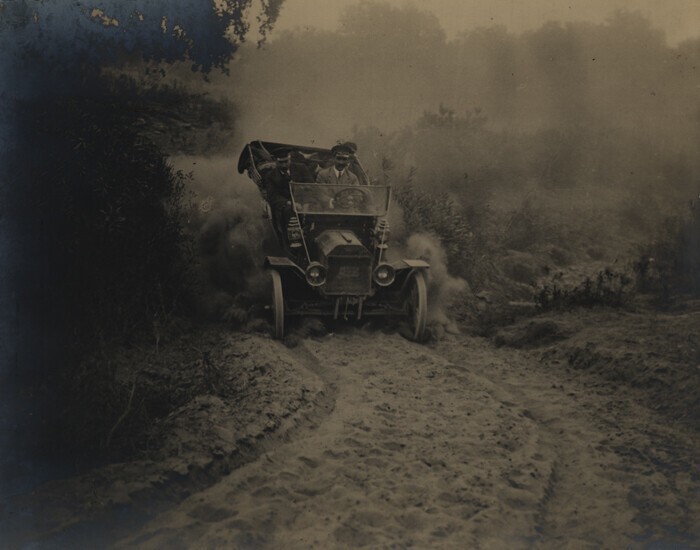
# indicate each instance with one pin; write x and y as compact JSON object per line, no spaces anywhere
{"x":104,"y":211}
{"x":98,"y":217}
{"x":609,"y":288}
{"x":440,"y":215}
{"x":95,"y":216}
{"x":527,"y":227}
{"x":671,"y":264}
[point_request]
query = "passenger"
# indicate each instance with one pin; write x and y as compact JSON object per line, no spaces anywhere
{"x":276,"y":186}
{"x":339,"y":173}
{"x":300,"y":170}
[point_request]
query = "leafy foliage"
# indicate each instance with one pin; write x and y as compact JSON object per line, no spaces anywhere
{"x":111,"y":223}
{"x":95,"y":214}
{"x":671,"y":263}
{"x":609,"y":288}
{"x":440,"y":215}
{"x":76,"y":37}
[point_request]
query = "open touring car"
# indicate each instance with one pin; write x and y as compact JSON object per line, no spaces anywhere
{"x":335,"y":246}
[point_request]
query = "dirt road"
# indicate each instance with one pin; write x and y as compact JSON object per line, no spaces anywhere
{"x":460,"y":445}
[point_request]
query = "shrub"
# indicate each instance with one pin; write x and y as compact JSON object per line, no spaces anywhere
{"x":104,"y":211}
{"x":440,"y":215}
{"x":98,"y":217}
{"x":609,"y":288}
{"x":94,"y":213}
{"x":671,"y":264}
{"x":527,"y":226}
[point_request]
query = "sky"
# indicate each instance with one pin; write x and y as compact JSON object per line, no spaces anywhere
{"x":680,"y":19}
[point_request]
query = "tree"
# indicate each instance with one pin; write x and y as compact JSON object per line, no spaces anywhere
{"x":90,"y":205}
{"x":93,"y":34}
{"x":71,"y":125}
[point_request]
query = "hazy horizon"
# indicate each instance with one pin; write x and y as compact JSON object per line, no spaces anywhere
{"x":677,"y":19}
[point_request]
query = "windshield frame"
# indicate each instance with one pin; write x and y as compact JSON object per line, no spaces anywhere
{"x":331,"y":189}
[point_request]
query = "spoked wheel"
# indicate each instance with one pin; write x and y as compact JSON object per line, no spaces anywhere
{"x":277,"y":306}
{"x":417,"y":306}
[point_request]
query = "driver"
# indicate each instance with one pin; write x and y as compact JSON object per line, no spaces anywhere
{"x":339,"y":173}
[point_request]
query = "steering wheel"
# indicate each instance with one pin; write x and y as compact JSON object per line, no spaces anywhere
{"x":351,"y":197}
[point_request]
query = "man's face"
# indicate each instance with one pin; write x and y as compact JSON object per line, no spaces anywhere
{"x":283,"y":163}
{"x":341,"y":161}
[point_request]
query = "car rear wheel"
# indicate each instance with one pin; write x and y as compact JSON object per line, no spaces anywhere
{"x":417,"y":306}
{"x":277,"y":306}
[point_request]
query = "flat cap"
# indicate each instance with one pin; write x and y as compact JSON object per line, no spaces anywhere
{"x":282,"y":153}
{"x":342,"y":149}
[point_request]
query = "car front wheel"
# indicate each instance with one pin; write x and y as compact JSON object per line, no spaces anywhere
{"x":416,"y":304}
{"x":277,"y":305}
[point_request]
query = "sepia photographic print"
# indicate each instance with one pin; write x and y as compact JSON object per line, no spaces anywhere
{"x":290,"y":274}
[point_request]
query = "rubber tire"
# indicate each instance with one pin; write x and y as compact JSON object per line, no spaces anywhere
{"x":417,"y":303}
{"x":277,"y":306}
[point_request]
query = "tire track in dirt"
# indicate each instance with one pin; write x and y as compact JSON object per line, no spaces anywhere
{"x":417,"y":451}
{"x":489,"y":449}
{"x":576,"y":472}
{"x":621,"y":476}
{"x":458,"y":445}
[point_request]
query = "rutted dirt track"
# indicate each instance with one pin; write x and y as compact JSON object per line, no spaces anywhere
{"x":363,"y":439}
{"x":458,"y":446}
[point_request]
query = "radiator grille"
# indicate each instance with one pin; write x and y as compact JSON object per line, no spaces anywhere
{"x":349,"y":275}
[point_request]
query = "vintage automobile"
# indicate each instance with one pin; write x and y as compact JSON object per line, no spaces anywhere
{"x":335,"y":249}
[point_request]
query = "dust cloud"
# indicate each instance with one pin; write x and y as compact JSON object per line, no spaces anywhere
{"x":230,"y":235}
{"x":386,"y":65}
{"x":575,"y":139}
{"x":232,"y":238}
{"x":442,"y":287}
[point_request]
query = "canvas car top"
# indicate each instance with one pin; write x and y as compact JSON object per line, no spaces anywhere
{"x":262,"y":153}
{"x":268,"y":150}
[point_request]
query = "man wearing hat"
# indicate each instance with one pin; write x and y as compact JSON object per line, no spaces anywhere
{"x":276,"y":185}
{"x":339,"y":173}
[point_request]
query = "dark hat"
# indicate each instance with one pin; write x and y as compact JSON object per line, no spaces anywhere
{"x":351,"y":145}
{"x":282,"y":153}
{"x":342,"y":149}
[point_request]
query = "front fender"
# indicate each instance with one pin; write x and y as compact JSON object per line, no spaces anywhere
{"x":404,"y":269}
{"x":282,"y":263}
{"x":404,"y":264}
